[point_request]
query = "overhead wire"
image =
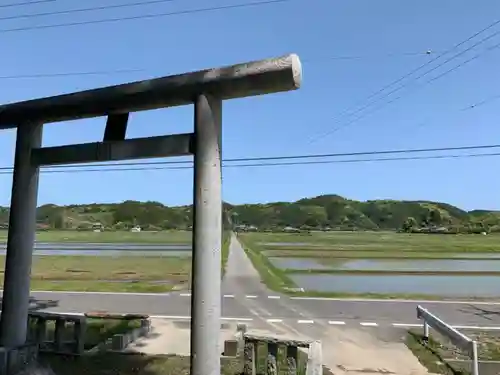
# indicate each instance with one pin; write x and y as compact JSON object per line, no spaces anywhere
{"x":276,"y":164}
{"x":267,"y":161}
{"x":24,"y":3}
{"x":430,"y":81}
{"x":82,"y":10}
{"x":146,"y":16}
{"x":407,"y":75}
{"x":144,"y":69}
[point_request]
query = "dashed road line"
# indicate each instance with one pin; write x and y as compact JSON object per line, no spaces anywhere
{"x":250,"y":296}
{"x":330,"y":322}
{"x":484,"y":328}
{"x":406,"y":325}
{"x":228,"y":295}
{"x":185,"y":294}
{"x":238,"y":319}
{"x":305,"y":321}
{"x":274,"y":320}
{"x":273,"y":297}
{"x":368,"y":324}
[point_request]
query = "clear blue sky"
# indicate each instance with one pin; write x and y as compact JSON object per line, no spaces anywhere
{"x":278,"y":124}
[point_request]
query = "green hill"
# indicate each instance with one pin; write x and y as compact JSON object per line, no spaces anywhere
{"x":326,"y":211}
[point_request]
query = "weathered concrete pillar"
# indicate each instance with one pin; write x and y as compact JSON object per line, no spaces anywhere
{"x":207,"y":241}
{"x":22,"y":226}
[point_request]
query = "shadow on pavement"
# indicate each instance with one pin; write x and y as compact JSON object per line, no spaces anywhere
{"x":127,"y":364}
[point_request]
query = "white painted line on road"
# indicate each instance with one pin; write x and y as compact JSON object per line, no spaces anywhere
{"x":185,"y":294}
{"x":239,"y":319}
{"x":368,"y":324}
{"x":251,"y":296}
{"x":483,"y":328}
{"x":406,"y":325}
{"x":491,"y":303}
{"x":228,"y":295}
{"x":336,"y":323}
{"x":274,"y":320}
{"x":174,"y":317}
{"x":305,"y":321}
{"x":273,"y":297}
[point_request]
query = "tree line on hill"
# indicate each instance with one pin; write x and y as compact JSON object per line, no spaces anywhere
{"x":326,"y":212}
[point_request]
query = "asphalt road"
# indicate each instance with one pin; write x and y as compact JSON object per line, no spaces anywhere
{"x":247,"y":299}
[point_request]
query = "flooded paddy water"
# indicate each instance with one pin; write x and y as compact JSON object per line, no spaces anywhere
{"x":107,"y":249}
{"x":392,"y":280}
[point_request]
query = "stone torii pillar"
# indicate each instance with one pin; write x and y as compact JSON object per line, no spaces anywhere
{"x":207,"y":89}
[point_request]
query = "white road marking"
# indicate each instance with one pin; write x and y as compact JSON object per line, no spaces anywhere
{"x":238,"y":319}
{"x":485,"y":328}
{"x":482,"y":328}
{"x":228,"y":295}
{"x":492,"y":303}
{"x":303,"y":321}
{"x":173,"y":317}
{"x":405,"y":325}
{"x":273,"y":297}
{"x":396,"y":300}
{"x":185,"y":294}
{"x":250,"y":296}
{"x":336,"y":323}
{"x":274,"y":320}
{"x":368,"y":324}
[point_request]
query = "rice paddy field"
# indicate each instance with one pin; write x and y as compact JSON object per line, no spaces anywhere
{"x":385,"y":264}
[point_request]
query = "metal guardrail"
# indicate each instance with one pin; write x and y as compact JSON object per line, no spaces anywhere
{"x":457,"y":338}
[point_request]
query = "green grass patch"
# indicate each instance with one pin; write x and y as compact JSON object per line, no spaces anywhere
{"x":136,"y":364}
{"x":377,"y":242}
{"x":99,"y":286}
{"x":226,"y":241}
{"x":99,"y":330}
{"x":109,"y":274}
{"x":391,"y":273}
{"x":332,"y":255}
{"x":275,"y":278}
{"x":429,"y":356}
{"x":129,"y":364}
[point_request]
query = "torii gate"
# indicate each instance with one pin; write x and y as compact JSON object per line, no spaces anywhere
{"x":206,"y":89}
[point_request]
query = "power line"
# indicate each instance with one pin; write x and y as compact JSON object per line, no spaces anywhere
{"x":277,"y":164}
{"x":291,"y":157}
{"x":384,"y":104}
{"x":384,"y":88}
{"x":81,"y":10}
{"x":430,"y":81}
{"x":126,"y":71}
{"x":481,"y":103}
{"x":24,"y":3}
{"x":277,"y":160}
{"x":72,"y":74}
{"x":147,"y":16}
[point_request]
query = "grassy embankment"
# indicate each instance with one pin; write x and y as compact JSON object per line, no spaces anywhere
{"x":113,"y":274}
{"x":439,"y":356}
{"x":335,"y":248}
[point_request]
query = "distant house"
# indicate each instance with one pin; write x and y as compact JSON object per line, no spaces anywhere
{"x":291,"y":230}
{"x":97,"y":227}
{"x":136,"y":229}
